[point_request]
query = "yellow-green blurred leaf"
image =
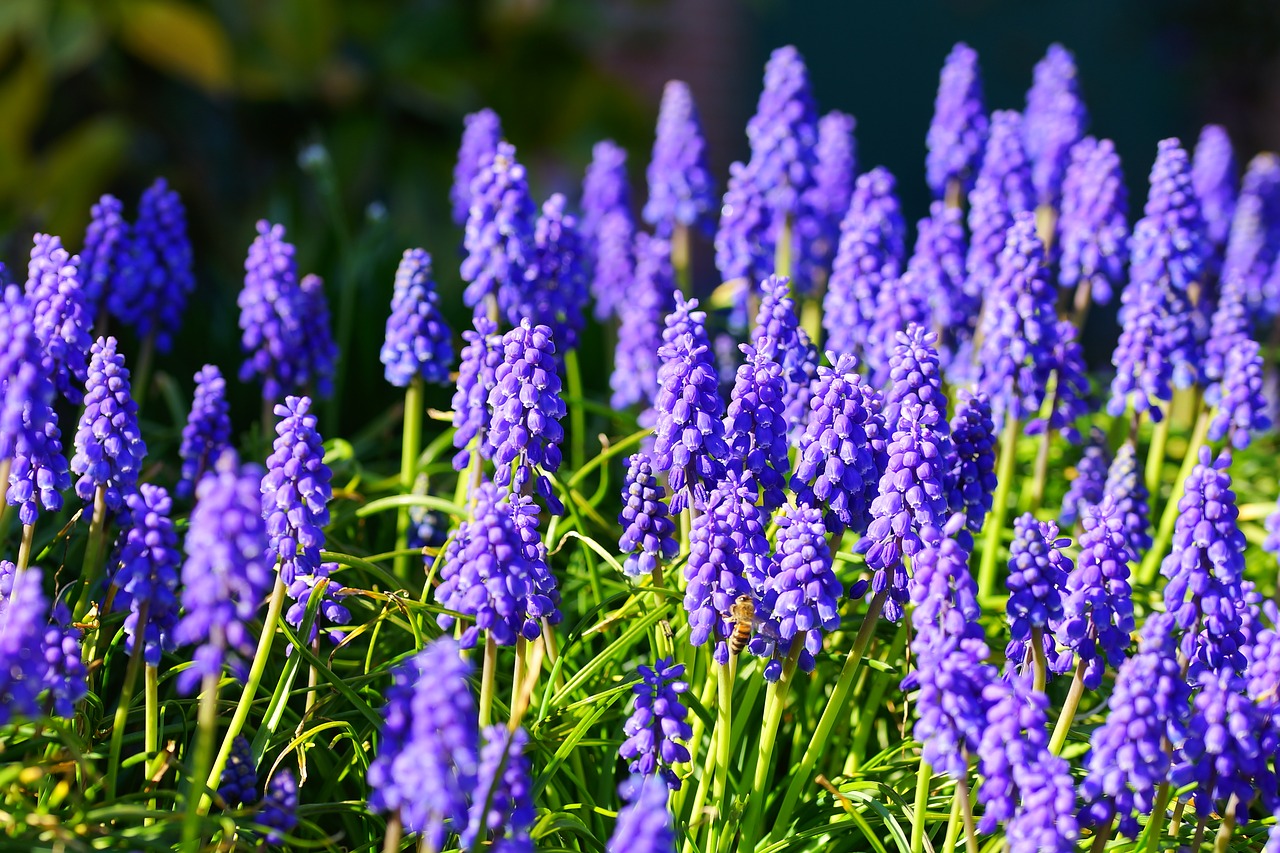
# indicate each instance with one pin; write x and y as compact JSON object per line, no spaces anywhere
{"x":24,"y":94}
{"x":73,"y":174}
{"x":179,"y":38}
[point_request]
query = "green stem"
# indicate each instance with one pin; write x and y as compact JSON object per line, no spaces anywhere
{"x":1151,"y":562}
{"x":720,"y":792}
{"x":1222,"y":841}
{"x":121,"y":720}
{"x":782,"y":252}
{"x":410,"y":447}
{"x":953,"y":824}
{"x":243,"y":707}
{"x":1068,"y":713}
{"x":700,"y":796}
{"x":206,"y":727}
{"x":1040,"y":476}
{"x":1104,"y":835}
{"x":999,"y":503}
{"x":1084,"y":298}
{"x":1197,"y":841}
{"x":151,"y":735}
{"x":954,"y":195}
{"x":1046,"y":225}
{"x":923,"y":777}
{"x":1156,"y":824}
{"x":518,"y":672}
{"x":835,"y":708}
{"x":774,"y":704}
{"x":488,"y":672}
{"x":680,"y":259}
{"x":5,"y":466}
{"x":1155,"y":457}
{"x":1041,"y":674}
{"x":391,"y":840}
{"x":577,"y":414}
{"x":92,"y":566}
{"x":811,"y":320}
{"x":966,"y":814}
{"x":24,"y":548}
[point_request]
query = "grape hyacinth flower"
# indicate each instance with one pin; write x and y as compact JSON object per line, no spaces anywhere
{"x":802,"y":593}
{"x":644,"y":823}
{"x":1002,"y":190}
{"x":109,"y":445}
{"x":418,"y":342}
{"x":499,"y":236}
{"x":742,"y":254}
{"x":62,"y":321}
{"x":681,"y":188}
{"x":1093,"y":228}
{"x":833,"y":176}
{"x":658,"y":723}
{"x":1217,"y":184}
{"x":958,"y":130}
{"x":146,"y":565}
{"x":106,"y":245}
{"x":901,"y":304}
{"x":1254,"y":240}
{"x":689,"y":435}
{"x":971,"y":482}
{"x":19,"y":365}
{"x":65,"y":675}
{"x":38,"y":473}
{"x":228,"y":572}
{"x":542,"y":594}
{"x":1240,"y":409}
{"x":1070,"y":389}
{"x":321,"y":355}
{"x":477,"y":377}
{"x":296,"y":490}
{"x":23,"y":617}
{"x":240,"y":777}
{"x":1230,"y":325}
{"x":481,"y":133}
{"x":647,"y":526}
{"x":1089,"y":485}
{"x":208,"y":429}
{"x":1272,"y":543}
{"x":755,"y":427}
{"x":1125,"y":485}
{"x":502,"y":805}
{"x":1263,"y":674}
{"x":557,"y":294}
{"x":779,"y":336}
{"x":428,"y":745}
{"x":279,"y":808}
{"x":914,"y":376}
{"x":525,"y":430}
{"x":650,"y":298}
{"x":1038,"y":572}
{"x":937,"y":266}
{"x":1055,"y":120}
{"x":608,"y":229}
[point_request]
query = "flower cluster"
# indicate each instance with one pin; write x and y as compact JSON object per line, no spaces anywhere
{"x":1038,"y":571}
{"x":109,"y":445}
{"x":681,"y":189}
{"x":476,"y":379}
{"x":972,"y":478}
{"x":146,"y":565}
{"x":1092,"y":229}
{"x":1089,"y":485}
{"x":208,"y":429}
{"x":647,"y":525}
{"x":958,"y":131}
{"x":755,"y":425}
{"x":499,"y":234}
{"x":802,"y":592}
{"x":1055,"y":120}
{"x":62,"y":321}
{"x":1098,"y":605}
{"x":481,"y":133}
{"x":418,"y":342}
{"x":658,"y":723}
{"x":608,"y":229}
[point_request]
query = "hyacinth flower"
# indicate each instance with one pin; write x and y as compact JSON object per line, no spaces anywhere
{"x":658,"y":723}
{"x":477,"y":372}
{"x":958,"y":131}
{"x":498,"y":244}
{"x":150,"y":294}
{"x":832,"y":190}
{"x":502,"y":802}
{"x":1231,"y":324}
{"x":650,"y":298}
{"x":1001,"y":191}
{"x":19,"y":347}
{"x":1272,"y":543}
{"x":689,"y":433}
{"x":902,"y":304}
{"x":145,"y":570}
{"x":321,"y":354}
{"x":1088,"y":487}
{"x":38,"y":472}
{"x":1126,"y":487}
{"x":779,"y":335}
{"x":937,"y":267}
{"x":681,"y":188}
{"x":608,"y":229}
{"x":1055,"y":120}
{"x":802,"y":592}
{"x":644,"y":823}
{"x":755,"y":426}
{"x":208,"y":429}
{"x":1254,"y":238}
{"x":428,"y":746}
{"x":1038,"y":572}
{"x":1216,"y":181}
{"x":648,"y":534}
{"x":1093,"y":226}
{"x":106,"y":246}
{"x":24,"y":615}
{"x":1067,"y":402}
{"x":481,"y":133}
{"x":278,"y":810}
{"x":971,"y":481}
{"x":1263,"y":673}
{"x":525,"y":400}
{"x":542,"y":595}
{"x":869,"y":256}
{"x":62,"y":320}
{"x":556,"y":294}
{"x":240,"y":778}
{"x":848,"y":415}
{"x":1240,"y":409}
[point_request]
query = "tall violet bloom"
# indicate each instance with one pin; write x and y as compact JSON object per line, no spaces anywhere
{"x":272,"y":316}
{"x":320,"y":358}
{"x":842,"y":452}
{"x":1098,"y":607}
{"x":608,"y":229}
{"x":833,"y":175}
{"x":525,"y":400}
{"x":228,"y":572}
{"x":778,"y":335}
{"x":644,"y":823}
{"x":1157,"y":343}
{"x":418,"y":341}
{"x":1240,"y":409}
{"x":681,"y":189}
{"x":689,"y":436}
{"x":278,"y":810}
{"x":971,"y":482}
{"x":959,"y":127}
{"x":1093,"y":227}
{"x":62,"y":321}
{"x":477,"y":376}
{"x":19,"y":364}
{"x":1217,"y":184}
{"x":1069,"y":394}
{"x":1230,"y":325}
{"x":937,"y":267}
{"x":658,"y":723}
{"x":428,"y":748}
{"x":499,"y":235}
{"x":1127,"y":487}
{"x":24,"y":613}
{"x":240,"y":777}
{"x":502,"y":801}
{"x":1055,"y":120}
{"x":650,"y":298}
{"x":647,"y":524}
{"x":38,"y":474}
{"x":208,"y":429}
{"x":146,"y":565}
{"x":1002,"y":190}
{"x":1089,"y":485}
{"x":755,"y":426}
{"x":1038,"y":571}
{"x":106,"y":245}
{"x":109,"y":445}
{"x":802,"y":592}
{"x":1254,"y":240}
{"x":902,"y":303}
{"x":481,"y":133}
{"x":557,"y":293}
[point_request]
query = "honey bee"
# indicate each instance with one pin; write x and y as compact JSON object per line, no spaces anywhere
{"x":742,"y":613}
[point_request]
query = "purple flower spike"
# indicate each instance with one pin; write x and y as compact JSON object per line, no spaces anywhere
{"x":842,"y":452}
{"x":959,"y":127}
{"x":38,"y":475}
{"x":1098,"y":608}
{"x":742,"y":251}
{"x":146,"y":566}
{"x":19,"y":365}
{"x":778,"y":335}
{"x":481,"y":133}
{"x":650,"y":298}
{"x":428,"y":746}
{"x":1002,"y":190}
{"x":902,"y":304}
{"x":1038,"y":570}
{"x":24,"y":614}
{"x":320,"y":357}
{"x":418,"y":341}
{"x":833,"y":182}
{"x":62,"y":320}
{"x":1126,"y":485}
{"x":557,"y":295}
{"x":477,"y":376}
{"x":1093,"y":230}
{"x":1240,"y":407}
{"x":755,"y":427}
{"x":240,"y":778}
{"x":542,"y":594}
{"x":109,"y":445}
{"x":1230,"y":325}
{"x":658,"y":723}
{"x":1055,"y":120}
{"x":1071,"y":399}
{"x":915,"y":378}
{"x":1089,"y":485}
{"x":644,"y":823}
{"x":1272,"y":543}
{"x":608,"y":229}
{"x":502,"y":805}
{"x":104,"y":256}
{"x":1217,"y":184}
{"x":499,"y":236}
{"x":681,"y":189}
{"x":150,"y":296}
{"x":1254,"y":240}
{"x":803,"y":592}
{"x":647,"y":525}
{"x":937,"y":266}
{"x":525,"y":430}
{"x":971,"y":481}
{"x":279,"y":808}
{"x":208,"y":429}
{"x":228,"y":572}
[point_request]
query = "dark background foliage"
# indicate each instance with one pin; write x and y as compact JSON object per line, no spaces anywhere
{"x":341,"y":119}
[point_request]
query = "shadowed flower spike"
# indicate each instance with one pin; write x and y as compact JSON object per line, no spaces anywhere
{"x":647,"y":525}
{"x":109,"y":445}
{"x":681,"y":189}
{"x":1070,"y":387}
{"x":1217,"y":184}
{"x":1254,"y":238}
{"x":525,"y":400}
{"x":1098,"y":608}
{"x":24,"y":613}
{"x":146,"y":566}
{"x":1055,"y":120}
{"x":971,"y":481}
{"x":65,"y":676}
{"x":477,"y":376}
{"x":803,"y":593}
{"x":832,"y":188}
{"x":502,"y":802}
{"x":1019,"y":328}
{"x":62,"y":321}
{"x":499,"y":236}
{"x":959,"y":127}
{"x":1272,"y":543}
{"x":1089,"y":484}
{"x":542,"y":594}
{"x":902,"y":304}
{"x":557,"y":296}
{"x":755,"y":426}
{"x":608,"y":229}
{"x":418,"y":341}
{"x":1038,"y":571}
{"x":743,"y":255}
{"x":208,"y":429}
{"x":650,"y":298}
{"x":937,"y":266}
{"x":658,"y":723}
{"x":778,"y":335}
{"x":228,"y":572}
{"x":19,"y":365}
{"x":279,"y":808}
{"x":240,"y":778}
{"x":644,"y":823}
{"x":1002,"y":190}
{"x":106,"y":245}
{"x":320,"y":356}
{"x":1126,"y":485}
{"x":914,"y":376}
{"x":1205,"y":568}
{"x":150,"y":296}
{"x":481,"y":133}
{"x":1240,"y":409}
{"x":428,"y":745}
{"x":1230,"y":325}
{"x":38,"y":474}
{"x":689,"y":436}
{"x":1093,"y":228}
{"x":1263,"y":674}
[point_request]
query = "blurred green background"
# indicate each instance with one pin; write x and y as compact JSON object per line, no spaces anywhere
{"x":224,"y":96}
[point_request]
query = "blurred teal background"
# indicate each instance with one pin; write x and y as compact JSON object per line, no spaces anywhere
{"x":223,"y":97}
